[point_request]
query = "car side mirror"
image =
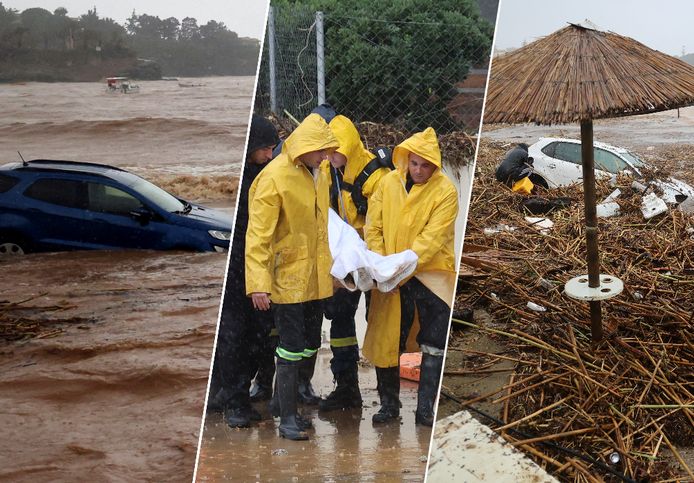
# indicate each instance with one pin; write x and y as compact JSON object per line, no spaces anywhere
{"x":142,"y":214}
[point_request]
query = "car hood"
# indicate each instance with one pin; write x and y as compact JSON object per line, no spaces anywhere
{"x":214,"y":219}
{"x":673,"y":188}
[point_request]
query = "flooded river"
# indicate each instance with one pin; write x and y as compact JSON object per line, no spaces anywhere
{"x":159,"y":129}
{"x":113,"y":387}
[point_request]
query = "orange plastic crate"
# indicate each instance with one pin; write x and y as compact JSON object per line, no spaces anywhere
{"x":409,"y":365}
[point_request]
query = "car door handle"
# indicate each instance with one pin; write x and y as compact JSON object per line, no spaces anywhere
{"x":552,"y":165}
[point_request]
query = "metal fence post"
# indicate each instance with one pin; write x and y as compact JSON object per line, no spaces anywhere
{"x":271,"y":52}
{"x":320,"y":58}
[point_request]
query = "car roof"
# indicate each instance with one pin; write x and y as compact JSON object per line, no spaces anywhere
{"x":78,"y":167}
{"x":596,"y":144}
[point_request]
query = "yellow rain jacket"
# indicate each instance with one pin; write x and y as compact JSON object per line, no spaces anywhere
{"x":357,"y":158}
{"x":422,"y":220}
{"x":287,"y":253}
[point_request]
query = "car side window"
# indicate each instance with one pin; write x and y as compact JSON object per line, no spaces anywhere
{"x":107,"y":199}
{"x":549,"y":149}
{"x":607,"y":161}
{"x":62,"y":192}
{"x":568,"y":152}
{"x":7,"y":182}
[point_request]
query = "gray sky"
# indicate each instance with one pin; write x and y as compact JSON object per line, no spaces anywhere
{"x":246,"y":18}
{"x":664,"y":25}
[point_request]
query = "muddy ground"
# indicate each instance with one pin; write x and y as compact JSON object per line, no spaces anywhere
{"x":471,"y":375}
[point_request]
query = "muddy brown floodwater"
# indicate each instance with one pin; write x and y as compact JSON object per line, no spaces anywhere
{"x":120,"y":394}
{"x":344,"y":445}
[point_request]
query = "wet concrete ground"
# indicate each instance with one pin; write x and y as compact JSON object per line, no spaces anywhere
{"x":344,"y":445}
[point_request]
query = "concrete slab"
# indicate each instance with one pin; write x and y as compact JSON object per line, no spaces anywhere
{"x":465,"y":450}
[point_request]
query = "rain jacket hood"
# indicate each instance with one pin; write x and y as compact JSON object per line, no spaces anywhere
{"x":350,"y":146}
{"x":287,"y":252}
{"x":423,"y":144}
{"x":313,"y":134}
{"x":421,"y":220}
{"x":358,"y":157}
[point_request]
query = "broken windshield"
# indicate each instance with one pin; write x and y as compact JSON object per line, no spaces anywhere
{"x":633,"y":159}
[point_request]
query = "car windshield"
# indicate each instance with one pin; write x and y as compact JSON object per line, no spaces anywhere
{"x":633,"y":159}
{"x":157,"y":195}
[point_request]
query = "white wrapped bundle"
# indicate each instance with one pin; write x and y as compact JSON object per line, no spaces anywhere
{"x":358,"y":268}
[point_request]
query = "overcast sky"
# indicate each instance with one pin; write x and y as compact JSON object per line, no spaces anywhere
{"x":664,"y":25}
{"x":246,"y":18}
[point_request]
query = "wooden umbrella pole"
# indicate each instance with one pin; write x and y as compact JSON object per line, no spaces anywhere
{"x":591,"y":215}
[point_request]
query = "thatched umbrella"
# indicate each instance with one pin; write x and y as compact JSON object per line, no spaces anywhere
{"x":578,"y":74}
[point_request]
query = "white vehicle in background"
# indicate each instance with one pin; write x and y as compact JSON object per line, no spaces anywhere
{"x":557,"y":162}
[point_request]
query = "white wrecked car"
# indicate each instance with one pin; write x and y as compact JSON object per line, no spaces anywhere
{"x":557,"y":162}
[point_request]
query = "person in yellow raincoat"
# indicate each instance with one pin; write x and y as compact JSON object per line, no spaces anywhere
{"x":353,"y":176}
{"x":414,"y":207}
{"x":288,"y":258}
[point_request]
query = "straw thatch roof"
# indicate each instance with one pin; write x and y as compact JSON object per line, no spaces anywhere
{"x":579,"y":73}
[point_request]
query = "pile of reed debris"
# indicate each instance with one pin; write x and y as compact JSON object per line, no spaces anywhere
{"x":621,"y":411}
{"x":20,"y":321}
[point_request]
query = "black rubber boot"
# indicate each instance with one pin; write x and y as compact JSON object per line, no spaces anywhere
{"x":274,"y":408}
{"x":254,"y":415}
{"x":217,"y":400}
{"x":286,"y":384}
{"x":260,"y":391}
{"x":274,"y":405}
{"x":429,"y":375}
{"x":389,"y":392}
{"x":306,"y":393}
{"x":346,"y":395}
{"x":237,"y":417}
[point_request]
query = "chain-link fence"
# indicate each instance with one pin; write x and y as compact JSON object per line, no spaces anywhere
{"x":399,"y":66}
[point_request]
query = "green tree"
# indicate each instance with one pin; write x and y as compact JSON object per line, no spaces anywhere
{"x":189,"y":29}
{"x":169,"y":28}
{"x":39,"y":25}
{"x":8,"y":22}
{"x":101,"y":32}
{"x":398,"y":61}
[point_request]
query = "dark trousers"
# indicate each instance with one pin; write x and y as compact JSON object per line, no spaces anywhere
{"x":434,"y":315}
{"x":244,"y":335}
{"x":266,"y":360}
{"x":340,"y":309}
{"x":298,"y":326}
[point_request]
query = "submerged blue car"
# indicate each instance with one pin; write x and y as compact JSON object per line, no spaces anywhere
{"x":48,"y":205}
